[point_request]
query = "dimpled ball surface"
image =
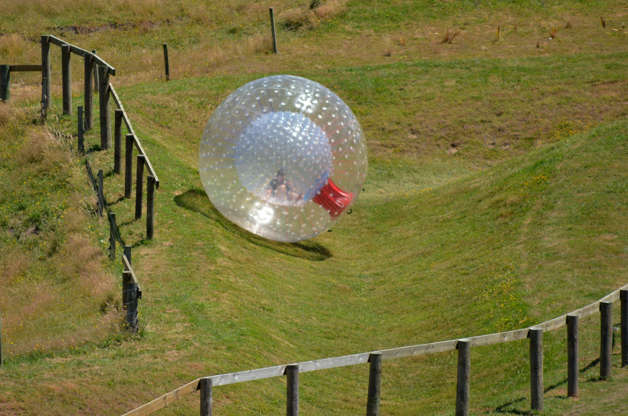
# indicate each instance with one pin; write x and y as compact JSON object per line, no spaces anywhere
{"x":271,"y":146}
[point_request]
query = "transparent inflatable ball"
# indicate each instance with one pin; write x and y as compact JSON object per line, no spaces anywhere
{"x":283,"y":157}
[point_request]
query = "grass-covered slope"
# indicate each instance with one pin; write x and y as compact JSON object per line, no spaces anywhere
{"x":495,"y":250}
{"x":55,"y":290}
{"x":496,"y":198}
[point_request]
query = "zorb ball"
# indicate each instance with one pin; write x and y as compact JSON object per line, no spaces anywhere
{"x":283,"y":157}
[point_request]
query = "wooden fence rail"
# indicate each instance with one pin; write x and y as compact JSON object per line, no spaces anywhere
{"x":534,"y":333}
{"x":135,"y":139}
{"x":5,"y":77}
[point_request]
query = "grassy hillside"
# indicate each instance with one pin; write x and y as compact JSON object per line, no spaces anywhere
{"x":496,"y":198}
{"x":56,"y":290}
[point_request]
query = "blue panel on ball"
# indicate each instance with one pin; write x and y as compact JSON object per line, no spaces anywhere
{"x":283,"y":157}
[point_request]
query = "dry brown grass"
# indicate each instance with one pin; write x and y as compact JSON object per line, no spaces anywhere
{"x":299,"y":18}
{"x":203,"y":59}
{"x":7,"y":113}
{"x":14,"y":264}
{"x":330,"y":8}
{"x":14,"y":47}
{"x":43,"y":149}
{"x":449,"y":36}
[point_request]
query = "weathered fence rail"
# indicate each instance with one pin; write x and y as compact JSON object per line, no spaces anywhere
{"x":534,"y":333}
{"x":5,"y":77}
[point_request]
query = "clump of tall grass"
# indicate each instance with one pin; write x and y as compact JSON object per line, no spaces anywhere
{"x":308,"y":18}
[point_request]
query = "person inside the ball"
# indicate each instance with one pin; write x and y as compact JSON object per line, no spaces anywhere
{"x":281,"y":188}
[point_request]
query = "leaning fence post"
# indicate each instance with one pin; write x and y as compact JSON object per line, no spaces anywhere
{"x":45,"y":75}
{"x":606,"y":339}
{"x":103,"y":99}
{"x":66,"y":79}
{"x":166,"y":63}
{"x":150,"y":206}
{"x":572,"y":355}
{"x":128,"y":165}
{"x":464,"y":368}
{"x":272,"y":29}
{"x":292,"y":390}
{"x":375,"y":377}
{"x":536,"y":368}
{"x":5,"y":80}
{"x":117,"y":140}
{"x":139,"y":179}
{"x":100,"y":193}
{"x":88,"y":73}
{"x":205,"y":386}
{"x":623,"y":296}
{"x":81,"y":130}
{"x":112,"y":235}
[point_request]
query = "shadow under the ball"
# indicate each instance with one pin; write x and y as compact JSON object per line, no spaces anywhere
{"x":196,"y":200}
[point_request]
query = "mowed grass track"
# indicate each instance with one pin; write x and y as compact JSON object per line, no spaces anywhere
{"x":524,"y":221}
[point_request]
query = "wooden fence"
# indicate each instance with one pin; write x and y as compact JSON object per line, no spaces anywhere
{"x":96,"y":74}
{"x":534,"y":334}
{"x":93,"y":65}
{"x":97,"y":70}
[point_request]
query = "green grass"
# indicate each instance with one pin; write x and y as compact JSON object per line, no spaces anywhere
{"x":525,"y":219}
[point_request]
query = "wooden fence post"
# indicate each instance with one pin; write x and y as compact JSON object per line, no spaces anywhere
{"x":112,"y":235}
{"x":129,"y":298}
{"x":45,"y":75}
{"x":375,"y":383}
{"x":117,"y":140}
{"x":128,"y":165}
{"x":66,"y":79}
{"x":536,"y":368}
{"x":139,"y":184}
{"x":129,"y":293}
{"x":464,"y":368}
{"x":572,"y":355}
{"x":606,"y":339}
{"x":150,"y":206}
{"x":88,"y":73}
{"x":272,"y":29}
{"x":166,"y":63}
{"x":103,"y":99}
{"x":81,"y":130}
{"x":96,"y":75}
{"x":623,"y":296}
{"x":5,"y":80}
{"x":205,"y":386}
{"x":100,"y":193}
{"x":292,"y":390}
{"x":127,"y":253}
